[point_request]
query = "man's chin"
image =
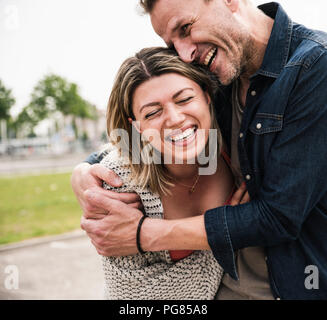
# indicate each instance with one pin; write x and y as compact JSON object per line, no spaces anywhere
{"x":227,"y":79}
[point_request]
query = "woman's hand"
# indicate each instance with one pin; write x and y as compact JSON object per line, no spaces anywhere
{"x":240,"y":196}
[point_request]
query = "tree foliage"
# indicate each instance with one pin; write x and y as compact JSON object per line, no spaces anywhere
{"x":54,"y":94}
{"x":6,"y":102}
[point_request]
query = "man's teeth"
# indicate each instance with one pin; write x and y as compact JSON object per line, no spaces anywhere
{"x":209,"y":56}
{"x":186,"y":134}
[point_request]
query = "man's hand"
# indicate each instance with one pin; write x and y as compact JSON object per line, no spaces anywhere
{"x":87,"y":180}
{"x":115,"y":234}
{"x":240,"y":196}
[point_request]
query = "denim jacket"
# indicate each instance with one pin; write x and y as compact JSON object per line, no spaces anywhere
{"x":283,"y":156}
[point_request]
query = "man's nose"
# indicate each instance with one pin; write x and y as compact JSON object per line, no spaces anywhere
{"x":186,"y":50}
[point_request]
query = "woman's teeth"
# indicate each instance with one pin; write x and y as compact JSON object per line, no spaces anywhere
{"x":209,"y":58}
{"x":185,"y":135}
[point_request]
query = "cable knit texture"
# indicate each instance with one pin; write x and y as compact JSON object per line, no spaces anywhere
{"x":153,"y":275}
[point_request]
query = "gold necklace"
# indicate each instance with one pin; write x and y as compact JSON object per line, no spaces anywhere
{"x":191,"y":188}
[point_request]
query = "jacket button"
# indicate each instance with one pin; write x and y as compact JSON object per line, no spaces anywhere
{"x":259,"y":126}
{"x":278,"y":298}
{"x":248,"y":177}
{"x":241,"y":135}
{"x":253,"y":93}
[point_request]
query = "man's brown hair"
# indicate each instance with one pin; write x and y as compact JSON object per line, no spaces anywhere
{"x":147,"y":5}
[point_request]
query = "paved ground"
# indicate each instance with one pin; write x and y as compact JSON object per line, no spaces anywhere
{"x":61,"y":267}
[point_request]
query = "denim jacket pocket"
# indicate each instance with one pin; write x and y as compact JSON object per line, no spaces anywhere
{"x":266,"y":123}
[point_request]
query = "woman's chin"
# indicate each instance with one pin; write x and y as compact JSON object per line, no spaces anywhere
{"x":190,"y":158}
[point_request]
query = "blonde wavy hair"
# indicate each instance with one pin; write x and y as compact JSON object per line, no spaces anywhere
{"x":146,"y":64}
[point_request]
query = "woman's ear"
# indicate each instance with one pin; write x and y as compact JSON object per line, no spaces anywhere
{"x":207,"y":96}
{"x":135,"y":124}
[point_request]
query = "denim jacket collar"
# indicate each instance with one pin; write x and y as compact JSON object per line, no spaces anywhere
{"x":278,"y":47}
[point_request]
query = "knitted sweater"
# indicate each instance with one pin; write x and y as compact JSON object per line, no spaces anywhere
{"x":153,"y":275}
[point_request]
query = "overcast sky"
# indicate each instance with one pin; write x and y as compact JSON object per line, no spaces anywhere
{"x":85,"y":41}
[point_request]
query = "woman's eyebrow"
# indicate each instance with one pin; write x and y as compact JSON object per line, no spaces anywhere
{"x":156,"y":103}
{"x":150,"y":104}
{"x":181,"y":91}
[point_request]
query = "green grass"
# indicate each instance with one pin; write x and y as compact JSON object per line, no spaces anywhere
{"x":34,"y":206}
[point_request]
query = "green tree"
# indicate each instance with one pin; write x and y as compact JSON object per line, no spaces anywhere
{"x":55,"y":94}
{"x":6,"y":102}
{"x":26,"y":121}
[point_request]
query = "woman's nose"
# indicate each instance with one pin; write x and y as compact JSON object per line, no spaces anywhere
{"x":174,"y":116}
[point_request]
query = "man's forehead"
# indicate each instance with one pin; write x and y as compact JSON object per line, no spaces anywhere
{"x":167,"y":21}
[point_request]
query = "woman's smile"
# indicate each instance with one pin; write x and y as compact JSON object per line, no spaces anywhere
{"x":182,"y":137}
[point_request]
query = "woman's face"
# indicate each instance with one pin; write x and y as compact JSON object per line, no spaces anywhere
{"x":173,"y":114}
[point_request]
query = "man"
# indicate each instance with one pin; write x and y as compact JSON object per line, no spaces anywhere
{"x":273,"y":115}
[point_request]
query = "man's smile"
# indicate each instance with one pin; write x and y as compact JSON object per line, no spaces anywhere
{"x":210,"y":57}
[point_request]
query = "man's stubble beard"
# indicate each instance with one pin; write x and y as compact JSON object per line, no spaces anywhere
{"x":240,"y":67}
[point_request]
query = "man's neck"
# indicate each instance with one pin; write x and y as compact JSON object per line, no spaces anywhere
{"x":243,"y":88}
{"x":259,"y":38}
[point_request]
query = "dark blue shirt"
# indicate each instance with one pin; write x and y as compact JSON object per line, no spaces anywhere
{"x":283,"y":157}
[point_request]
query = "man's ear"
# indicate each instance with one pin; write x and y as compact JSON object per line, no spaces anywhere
{"x":232,"y":5}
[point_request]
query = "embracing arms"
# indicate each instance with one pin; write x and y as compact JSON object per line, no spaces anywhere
{"x":110,"y":219}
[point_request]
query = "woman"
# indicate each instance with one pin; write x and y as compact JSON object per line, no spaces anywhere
{"x":168,"y":102}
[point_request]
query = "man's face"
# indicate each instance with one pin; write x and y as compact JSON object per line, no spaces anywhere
{"x":203,"y":31}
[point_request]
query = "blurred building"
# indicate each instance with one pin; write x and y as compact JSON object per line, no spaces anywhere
{"x":59,"y":135}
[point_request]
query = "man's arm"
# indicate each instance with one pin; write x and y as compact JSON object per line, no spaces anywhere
{"x":93,"y":158}
{"x":115,"y":234}
{"x":293,"y":182}
{"x":182,"y":234}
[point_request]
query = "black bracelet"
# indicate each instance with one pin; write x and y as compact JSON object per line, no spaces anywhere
{"x":138,"y":233}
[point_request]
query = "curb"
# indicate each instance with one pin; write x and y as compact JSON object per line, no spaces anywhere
{"x":34,"y":171}
{"x":42,"y":240}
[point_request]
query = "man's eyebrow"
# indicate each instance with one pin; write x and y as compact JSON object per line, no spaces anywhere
{"x":177,"y":25}
{"x":171,"y":30}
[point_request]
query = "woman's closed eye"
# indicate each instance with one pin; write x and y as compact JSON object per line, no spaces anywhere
{"x":156,"y":112}
{"x":185,"y":100}
{"x":152,"y":114}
